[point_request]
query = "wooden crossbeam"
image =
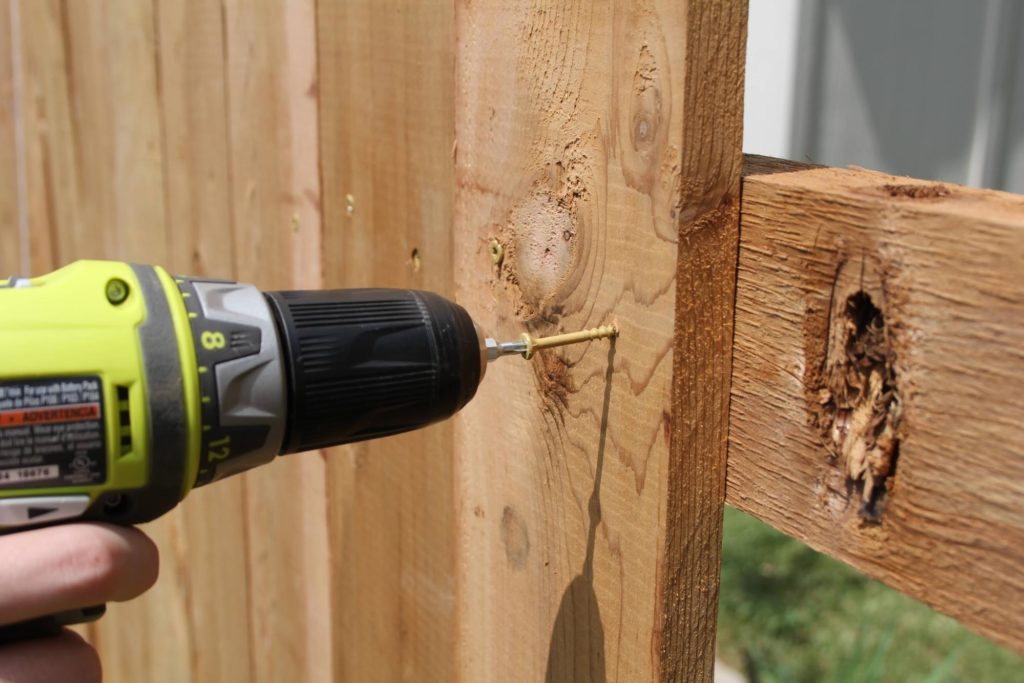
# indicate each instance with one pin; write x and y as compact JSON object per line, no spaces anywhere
{"x":878,"y":377}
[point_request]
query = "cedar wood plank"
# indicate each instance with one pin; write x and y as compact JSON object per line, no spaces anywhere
{"x":943,"y":264}
{"x":386,"y":115}
{"x":10,"y":229}
{"x":270,"y":70}
{"x":599,"y":146}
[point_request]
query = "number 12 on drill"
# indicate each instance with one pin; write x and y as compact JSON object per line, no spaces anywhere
{"x":219,"y":450}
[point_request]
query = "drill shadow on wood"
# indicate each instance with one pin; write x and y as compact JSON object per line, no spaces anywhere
{"x":577,"y":638}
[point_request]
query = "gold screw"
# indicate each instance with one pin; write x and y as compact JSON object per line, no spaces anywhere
{"x":603,"y":332}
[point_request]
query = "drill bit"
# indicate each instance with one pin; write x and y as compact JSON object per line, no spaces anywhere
{"x":527,"y":345}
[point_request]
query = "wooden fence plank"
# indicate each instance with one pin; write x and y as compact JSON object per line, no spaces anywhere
{"x":705,"y":298}
{"x":208,"y":559}
{"x":50,"y":196}
{"x":193,"y":100}
{"x":886,"y":433}
{"x":94,"y":168}
{"x":10,"y":229}
{"x":387,"y":120}
{"x":599,"y":148}
{"x":114,"y":116}
{"x":274,"y":182}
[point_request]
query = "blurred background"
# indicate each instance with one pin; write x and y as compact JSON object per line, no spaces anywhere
{"x":926,"y":88}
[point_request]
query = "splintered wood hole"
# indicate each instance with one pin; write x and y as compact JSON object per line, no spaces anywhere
{"x":414,"y":258}
{"x":860,"y":407}
{"x":932,"y":191}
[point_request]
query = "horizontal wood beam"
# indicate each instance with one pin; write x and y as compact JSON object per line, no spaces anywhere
{"x":878,"y":381}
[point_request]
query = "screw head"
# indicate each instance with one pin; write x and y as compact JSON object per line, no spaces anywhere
{"x":117,"y":291}
{"x":496,"y":251}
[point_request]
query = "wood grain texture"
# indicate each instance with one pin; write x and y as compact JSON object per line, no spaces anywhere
{"x":11,"y":251}
{"x":705,"y":297}
{"x":942,"y":265}
{"x":50,"y":197}
{"x":208,"y":564}
{"x":598,"y":145}
{"x":275,"y":193}
{"x":387,"y":122}
{"x":115,"y":123}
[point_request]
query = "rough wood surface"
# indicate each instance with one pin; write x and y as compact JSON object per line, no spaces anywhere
{"x":387,"y":93}
{"x":11,"y":251}
{"x":598,"y":152}
{"x":270,"y":68}
{"x":891,"y":440}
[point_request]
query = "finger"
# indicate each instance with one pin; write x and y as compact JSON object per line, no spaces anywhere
{"x":51,"y":570}
{"x":66,"y":658}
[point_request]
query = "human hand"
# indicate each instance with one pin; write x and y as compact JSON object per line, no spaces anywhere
{"x":61,"y":568}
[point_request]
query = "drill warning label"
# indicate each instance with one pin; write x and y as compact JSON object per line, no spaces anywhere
{"x":52,"y":433}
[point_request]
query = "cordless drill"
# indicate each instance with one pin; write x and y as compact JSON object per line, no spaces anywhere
{"x":123,"y":387}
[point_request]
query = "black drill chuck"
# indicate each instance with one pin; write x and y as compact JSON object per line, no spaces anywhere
{"x":366,"y":363}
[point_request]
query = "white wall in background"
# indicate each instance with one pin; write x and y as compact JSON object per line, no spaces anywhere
{"x":771,"y":68}
{"x":927,"y":88}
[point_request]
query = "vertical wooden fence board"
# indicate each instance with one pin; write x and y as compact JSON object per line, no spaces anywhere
{"x":193,"y":101}
{"x":10,"y":229}
{"x":115,"y":112}
{"x":271,"y":81}
{"x":598,"y":158}
{"x":207,"y":552}
{"x":94,"y":168}
{"x":48,"y":175}
{"x":702,"y":366}
{"x":386,"y":117}
{"x":309,"y":471}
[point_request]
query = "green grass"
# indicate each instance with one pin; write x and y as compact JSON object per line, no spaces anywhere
{"x":788,"y":614}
